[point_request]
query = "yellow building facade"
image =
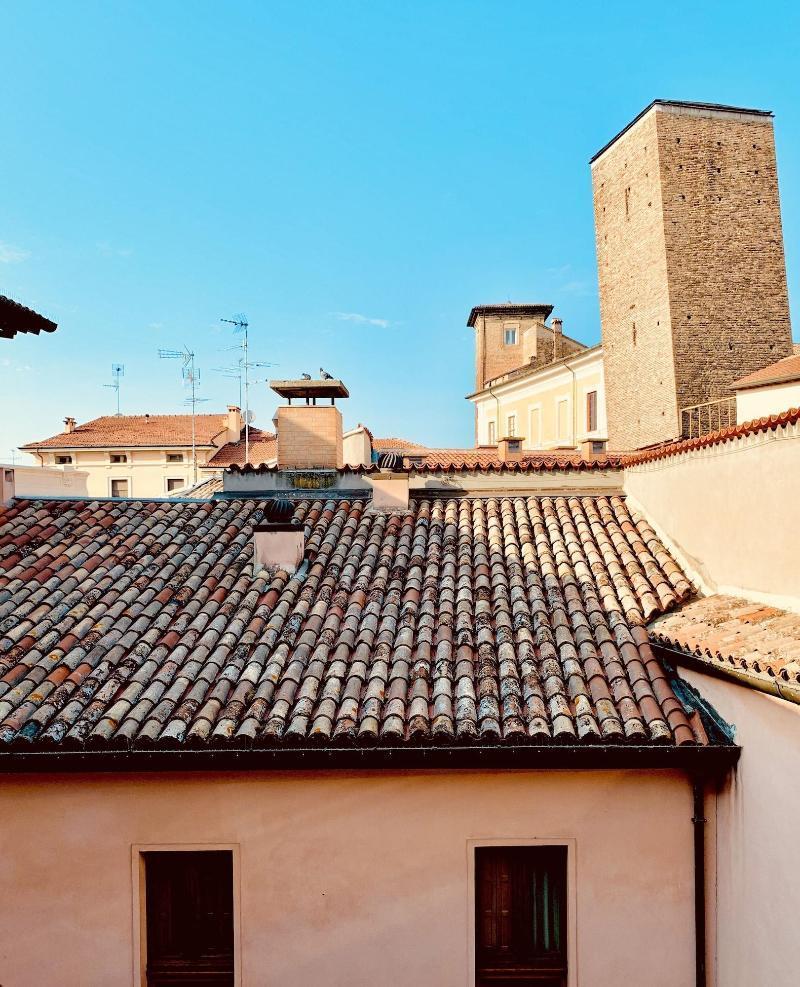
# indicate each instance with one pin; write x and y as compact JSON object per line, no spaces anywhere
{"x":560,"y":405}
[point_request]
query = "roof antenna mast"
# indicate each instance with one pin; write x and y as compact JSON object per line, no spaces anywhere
{"x":241,"y":325}
{"x":191,"y":376}
{"x":117,"y":371}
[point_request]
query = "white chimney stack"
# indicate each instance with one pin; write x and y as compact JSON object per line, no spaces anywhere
{"x":69,"y":424}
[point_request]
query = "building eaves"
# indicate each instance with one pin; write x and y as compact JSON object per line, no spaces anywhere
{"x":784,"y":371}
{"x":714,"y":107}
{"x":16,"y":318}
{"x":510,"y":309}
{"x":752,"y":643}
{"x":535,"y":370}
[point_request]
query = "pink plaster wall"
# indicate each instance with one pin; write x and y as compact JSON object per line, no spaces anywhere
{"x":356,"y":878}
{"x":757,"y":812}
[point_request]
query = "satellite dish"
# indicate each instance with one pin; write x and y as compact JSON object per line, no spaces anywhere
{"x":250,"y":417}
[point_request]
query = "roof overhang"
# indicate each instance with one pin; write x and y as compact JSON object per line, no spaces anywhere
{"x":685,"y":105}
{"x":309,"y":389}
{"x":16,"y":318}
{"x":714,"y":760}
{"x":512,"y":310}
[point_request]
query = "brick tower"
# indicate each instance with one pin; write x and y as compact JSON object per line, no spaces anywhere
{"x":690,"y":261}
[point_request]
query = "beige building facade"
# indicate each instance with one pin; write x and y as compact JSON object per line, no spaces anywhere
{"x":138,"y":455}
{"x":560,"y":405}
{"x":336,"y":873}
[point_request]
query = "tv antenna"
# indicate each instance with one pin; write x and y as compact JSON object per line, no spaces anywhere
{"x":117,"y":371}
{"x":191,"y":377}
{"x":237,"y":372}
{"x":241,"y":326}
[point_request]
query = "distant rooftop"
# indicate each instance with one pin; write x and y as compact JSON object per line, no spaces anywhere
{"x":681,"y":104}
{"x":520,"y":309}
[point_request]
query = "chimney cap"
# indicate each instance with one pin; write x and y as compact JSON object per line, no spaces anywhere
{"x":309,"y":388}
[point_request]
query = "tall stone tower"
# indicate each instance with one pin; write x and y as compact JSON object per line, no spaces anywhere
{"x":690,"y":260}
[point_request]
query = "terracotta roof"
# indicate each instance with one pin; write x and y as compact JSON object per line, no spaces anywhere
{"x":16,"y":318}
{"x":263,"y":449}
{"x":466,"y":460}
{"x":126,"y":431}
{"x":782,"y":372}
{"x":203,"y":490}
{"x":731,"y":636}
{"x":496,"y":621}
{"x":770,"y":424}
{"x":394,"y":444}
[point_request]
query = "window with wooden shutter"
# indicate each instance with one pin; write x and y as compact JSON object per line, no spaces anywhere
{"x":591,"y":411}
{"x":189,"y":916}
{"x":521,"y":916}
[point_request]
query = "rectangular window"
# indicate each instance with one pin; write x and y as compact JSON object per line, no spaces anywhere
{"x":492,"y":434}
{"x":510,"y":335}
{"x":174,"y":483}
{"x":63,"y":460}
{"x":174,"y":457}
{"x":9,"y":475}
{"x":189,"y":917}
{"x":521,"y":916}
{"x":535,"y":441}
{"x":512,"y":425}
{"x":591,"y":411}
{"x":119,"y":488}
{"x":563,"y":420}
{"x":119,"y":457}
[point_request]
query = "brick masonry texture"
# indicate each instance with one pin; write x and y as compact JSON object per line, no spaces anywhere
{"x":493,"y":357}
{"x":691,"y":266}
{"x":309,"y":436}
{"x":497,"y":621}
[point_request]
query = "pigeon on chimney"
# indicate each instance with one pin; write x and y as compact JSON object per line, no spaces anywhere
{"x":306,"y":376}
{"x":324,"y":374}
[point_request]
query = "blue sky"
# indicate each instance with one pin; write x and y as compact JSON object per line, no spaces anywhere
{"x":352,"y":176}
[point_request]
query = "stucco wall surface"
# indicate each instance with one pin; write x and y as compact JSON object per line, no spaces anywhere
{"x":730,"y":511}
{"x":758,"y":871}
{"x":356,"y":878}
{"x":761,"y":402}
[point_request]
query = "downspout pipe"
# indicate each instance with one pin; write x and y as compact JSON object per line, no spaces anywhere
{"x":699,"y":823}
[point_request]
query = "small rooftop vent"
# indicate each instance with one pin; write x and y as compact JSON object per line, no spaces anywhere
{"x":278,"y":543}
{"x":279,"y":511}
{"x":389,"y":461}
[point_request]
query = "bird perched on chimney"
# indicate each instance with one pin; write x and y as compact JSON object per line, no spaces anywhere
{"x":306,"y":376}
{"x":324,"y":374}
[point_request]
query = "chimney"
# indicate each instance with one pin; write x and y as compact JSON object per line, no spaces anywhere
{"x":278,"y":546}
{"x":509,"y":449}
{"x":558,"y":335}
{"x":7,"y":481}
{"x":69,"y":424}
{"x":309,"y":435}
{"x":234,"y":423}
{"x":390,"y":485}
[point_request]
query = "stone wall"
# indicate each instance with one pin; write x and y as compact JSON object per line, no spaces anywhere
{"x":691,"y":266}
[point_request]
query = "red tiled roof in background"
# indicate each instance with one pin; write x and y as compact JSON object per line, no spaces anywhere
{"x":263,"y":449}
{"x":731,"y":635}
{"x":16,"y":318}
{"x":782,"y":372}
{"x":487,"y":459}
{"x":790,"y":417}
{"x":500,"y":621}
{"x":393,"y":444}
{"x":127,"y":431}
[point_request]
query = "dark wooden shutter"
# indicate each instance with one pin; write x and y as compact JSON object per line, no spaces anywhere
{"x":189,"y":918}
{"x":520,"y":916}
{"x":591,"y":411}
